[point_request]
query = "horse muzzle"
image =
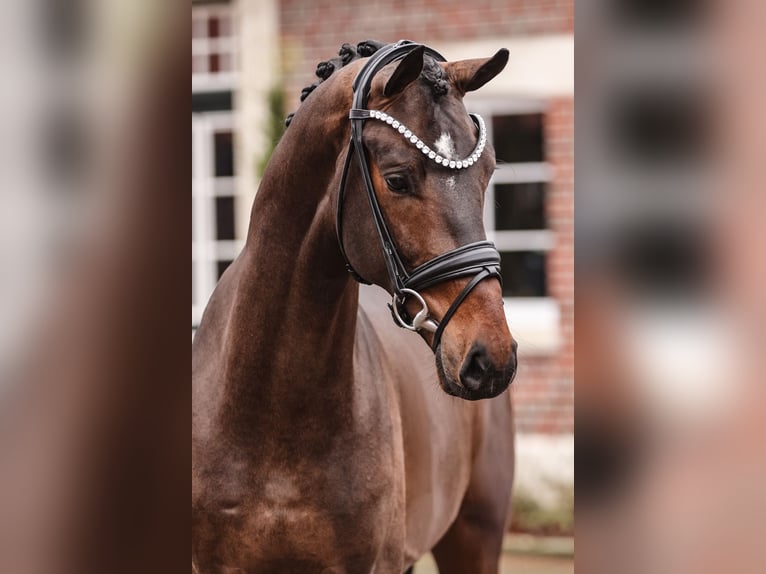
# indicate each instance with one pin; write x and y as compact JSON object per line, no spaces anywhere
{"x":479,"y":375}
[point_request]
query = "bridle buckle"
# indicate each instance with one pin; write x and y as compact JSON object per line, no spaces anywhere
{"x":421,"y":319}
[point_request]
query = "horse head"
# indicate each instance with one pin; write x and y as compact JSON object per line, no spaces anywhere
{"x":428,"y":165}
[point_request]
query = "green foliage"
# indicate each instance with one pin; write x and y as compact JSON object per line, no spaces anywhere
{"x":275,"y":126}
{"x":531,"y":517}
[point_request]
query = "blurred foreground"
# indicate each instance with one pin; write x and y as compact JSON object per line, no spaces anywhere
{"x":94,"y":211}
{"x":670,"y":287}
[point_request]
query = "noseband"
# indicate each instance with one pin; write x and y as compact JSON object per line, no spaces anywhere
{"x":480,"y":259}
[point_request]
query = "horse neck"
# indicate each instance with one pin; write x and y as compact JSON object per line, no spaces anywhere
{"x":291,"y":330}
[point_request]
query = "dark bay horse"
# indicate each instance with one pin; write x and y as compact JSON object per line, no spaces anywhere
{"x":324,"y":437}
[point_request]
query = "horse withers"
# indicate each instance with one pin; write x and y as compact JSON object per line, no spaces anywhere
{"x":320,"y":439}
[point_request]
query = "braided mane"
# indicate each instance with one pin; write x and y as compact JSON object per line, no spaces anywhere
{"x":432,"y":73}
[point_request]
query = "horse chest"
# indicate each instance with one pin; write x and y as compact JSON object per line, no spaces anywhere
{"x":306,"y":523}
{"x":326,"y":508}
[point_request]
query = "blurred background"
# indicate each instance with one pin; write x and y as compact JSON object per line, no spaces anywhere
{"x":670,"y":283}
{"x":252,"y":58}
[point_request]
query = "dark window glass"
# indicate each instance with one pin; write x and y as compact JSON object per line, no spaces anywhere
{"x":662,"y":14}
{"x":211,"y":102}
{"x":656,"y":126}
{"x":520,"y":206}
{"x":224,"y":154}
{"x":523,"y":273}
{"x":518,"y":138}
{"x":664,"y":259}
{"x":66,"y":27}
{"x":215,"y":63}
{"x":213,"y":27}
{"x":67,"y":144}
{"x":224,"y":217}
{"x":222,"y":266}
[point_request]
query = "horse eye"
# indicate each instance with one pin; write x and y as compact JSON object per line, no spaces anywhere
{"x":397,"y":183}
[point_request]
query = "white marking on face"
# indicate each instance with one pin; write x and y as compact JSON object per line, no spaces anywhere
{"x":450,"y":181}
{"x":445,"y":146}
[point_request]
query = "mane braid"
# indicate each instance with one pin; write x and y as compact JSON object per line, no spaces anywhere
{"x":347,"y":54}
{"x":433,"y":74}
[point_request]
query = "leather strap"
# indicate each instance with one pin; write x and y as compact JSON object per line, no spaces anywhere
{"x":465,"y":260}
{"x":339,"y":216}
{"x":361,"y":86}
{"x":478,"y":278}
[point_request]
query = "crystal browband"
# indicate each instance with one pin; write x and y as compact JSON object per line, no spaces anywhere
{"x":413,"y":139}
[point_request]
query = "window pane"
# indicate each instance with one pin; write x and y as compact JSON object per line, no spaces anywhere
{"x":659,"y":14}
{"x":664,"y":259}
{"x":211,"y":101}
{"x":520,"y":206}
{"x":222,"y":265}
{"x":659,"y":126}
{"x":523,"y":273}
{"x":199,"y":64}
{"x":212,"y":27}
{"x":215,"y":63}
{"x":199,"y":28}
{"x":224,"y":217}
{"x":224,"y":25}
{"x":224,"y":154}
{"x":518,"y":138}
{"x":225,"y":63}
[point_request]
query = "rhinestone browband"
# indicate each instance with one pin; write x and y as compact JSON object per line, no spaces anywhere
{"x":413,"y":139}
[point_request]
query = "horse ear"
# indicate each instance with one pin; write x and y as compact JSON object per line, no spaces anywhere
{"x":406,"y":72}
{"x":470,"y":75}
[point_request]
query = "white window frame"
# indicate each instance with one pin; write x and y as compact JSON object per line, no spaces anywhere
{"x":227,"y":45}
{"x":207,"y":251}
{"x":534,"y":321}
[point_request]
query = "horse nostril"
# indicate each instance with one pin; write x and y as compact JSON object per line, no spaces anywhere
{"x":476,"y":368}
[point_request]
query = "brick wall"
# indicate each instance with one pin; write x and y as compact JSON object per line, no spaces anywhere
{"x":544,"y":391}
{"x":313,"y":30}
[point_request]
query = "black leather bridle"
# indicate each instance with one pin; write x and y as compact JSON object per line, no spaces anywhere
{"x":479,"y":259}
